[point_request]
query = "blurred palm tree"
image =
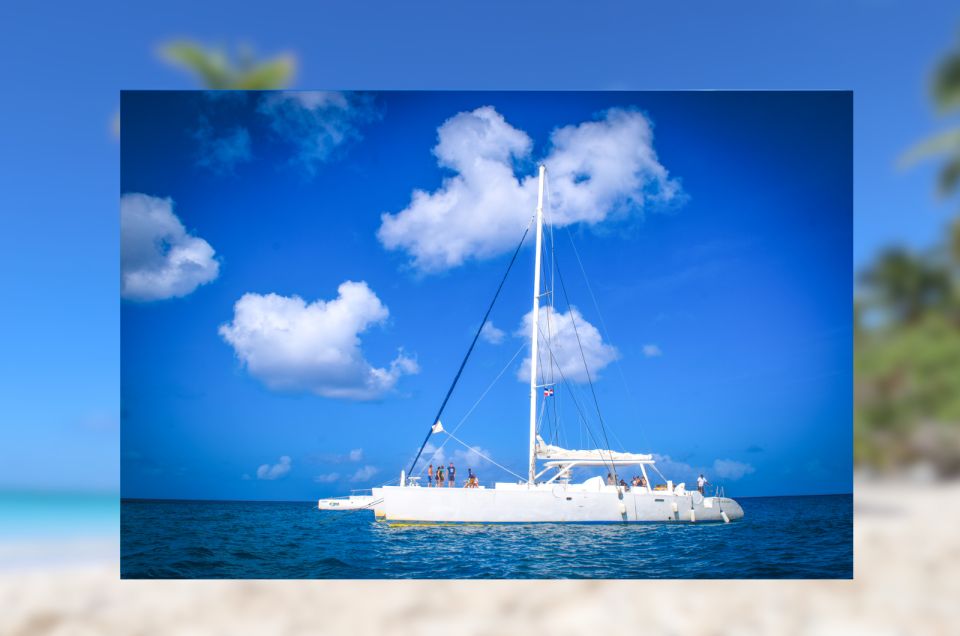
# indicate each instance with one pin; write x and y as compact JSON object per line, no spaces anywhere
{"x":217,"y":71}
{"x":907,"y":286}
{"x":907,"y":326}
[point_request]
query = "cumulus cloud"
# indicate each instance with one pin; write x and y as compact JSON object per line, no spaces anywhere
{"x":275,"y":471}
{"x":675,"y":469}
{"x":221,"y":154}
{"x":316,"y":123}
{"x":681,"y":471}
{"x":472,"y":458}
{"x":491,"y":334}
{"x":731,"y":469}
{"x":364,"y":474}
{"x":158,"y":258}
{"x":652,"y":351}
{"x":468,"y":458}
{"x":480,"y":210}
{"x":565,"y":349}
{"x":597,"y":169}
{"x":356,"y":455}
{"x":290,"y":344}
{"x":326,"y":478}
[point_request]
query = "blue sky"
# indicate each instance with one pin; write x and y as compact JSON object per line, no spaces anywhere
{"x":725,"y":292}
{"x":60,"y":177}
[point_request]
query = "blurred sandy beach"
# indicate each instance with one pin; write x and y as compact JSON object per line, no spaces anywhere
{"x":905,"y":545}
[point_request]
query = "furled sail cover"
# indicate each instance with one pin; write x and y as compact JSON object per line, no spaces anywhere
{"x":548,"y":451}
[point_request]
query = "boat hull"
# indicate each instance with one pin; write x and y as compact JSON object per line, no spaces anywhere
{"x":546,"y":504}
{"x":353,"y":502}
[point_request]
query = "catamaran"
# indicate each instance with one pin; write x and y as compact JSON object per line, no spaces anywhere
{"x":549,"y":494}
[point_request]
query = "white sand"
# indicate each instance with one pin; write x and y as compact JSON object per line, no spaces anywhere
{"x":907,"y":551}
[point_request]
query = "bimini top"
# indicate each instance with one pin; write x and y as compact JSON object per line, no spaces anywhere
{"x":548,"y":451}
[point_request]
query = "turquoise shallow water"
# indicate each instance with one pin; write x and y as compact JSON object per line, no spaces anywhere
{"x":780,"y":537}
{"x":56,"y":515}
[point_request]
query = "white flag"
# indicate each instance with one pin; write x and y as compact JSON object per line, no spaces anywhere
{"x":437,"y":428}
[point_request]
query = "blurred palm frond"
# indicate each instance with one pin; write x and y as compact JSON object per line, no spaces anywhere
{"x":945,"y":92}
{"x":218,"y":72}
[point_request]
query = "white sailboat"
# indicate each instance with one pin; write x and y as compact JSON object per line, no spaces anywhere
{"x":549,"y":494}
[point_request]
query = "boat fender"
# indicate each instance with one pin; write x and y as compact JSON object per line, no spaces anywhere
{"x":675,"y":508}
{"x":726,"y":519}
{"x":693,"y":515}
{"x":623,"y":508}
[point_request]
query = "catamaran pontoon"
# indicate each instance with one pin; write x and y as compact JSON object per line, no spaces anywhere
{"x":548,"y":495}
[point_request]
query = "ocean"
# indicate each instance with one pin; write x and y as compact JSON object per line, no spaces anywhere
{"x":779,"y":537}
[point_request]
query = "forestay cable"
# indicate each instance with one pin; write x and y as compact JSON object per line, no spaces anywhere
{"x":456,"y":378}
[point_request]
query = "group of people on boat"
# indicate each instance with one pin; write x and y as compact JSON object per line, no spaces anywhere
{"x":636,"y":482}
{"x":639,"y":481}
{"x":447,"y":477}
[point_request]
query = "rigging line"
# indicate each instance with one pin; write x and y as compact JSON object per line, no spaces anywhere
{"x":585,"y":422}
{"x":583,"y":357}
{"x":606,"y":334}
{"x":654,"y":467}
{"x":586,"y":368}
{"x":555,"y":267}
{"x":465,"y":445}
{"x":477,"y":403}
{"x":470,"y":350}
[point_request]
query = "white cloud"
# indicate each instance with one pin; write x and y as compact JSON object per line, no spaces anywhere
{"x":604,"y":167}
{"x":472,"y":458}
{"x":327,"y":478}
{"x":478,"y":212}
{"x":365,"y":473}
{"x":356,"y":454}
{"x":433,"y":454}
{"x":266,"y":471}
{"x":652,"y":351}
{"x":461,"y":457}
{"x":565,"y":349}
{"x":681,"y":471}
{"x":678,"y":471}
{"x":292,"y":345}
{"x":316,"y":123}
{"x":596,"y":170}
{"x":491,"y":334}
{"x":731,"y":469}
{"x":158,"y":258}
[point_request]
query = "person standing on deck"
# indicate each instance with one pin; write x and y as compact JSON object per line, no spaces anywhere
{"x":451,"y":476}
{"x":429,"y":475}
{"x":439,"y":475}
{"x":701,"y":482}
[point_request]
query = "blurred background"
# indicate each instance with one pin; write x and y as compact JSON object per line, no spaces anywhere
{"x":59,"y":362}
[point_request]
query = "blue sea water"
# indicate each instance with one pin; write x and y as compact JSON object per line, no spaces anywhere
{"x":779,"y":537}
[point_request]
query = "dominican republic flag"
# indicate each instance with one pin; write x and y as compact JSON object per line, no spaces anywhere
{"x":548,"y":393}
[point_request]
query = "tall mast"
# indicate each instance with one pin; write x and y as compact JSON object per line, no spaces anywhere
{"x":534,"y":335}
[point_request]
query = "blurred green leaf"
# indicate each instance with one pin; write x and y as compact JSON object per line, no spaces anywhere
{"x":218,"y":72}
{"x":946,"y":82}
